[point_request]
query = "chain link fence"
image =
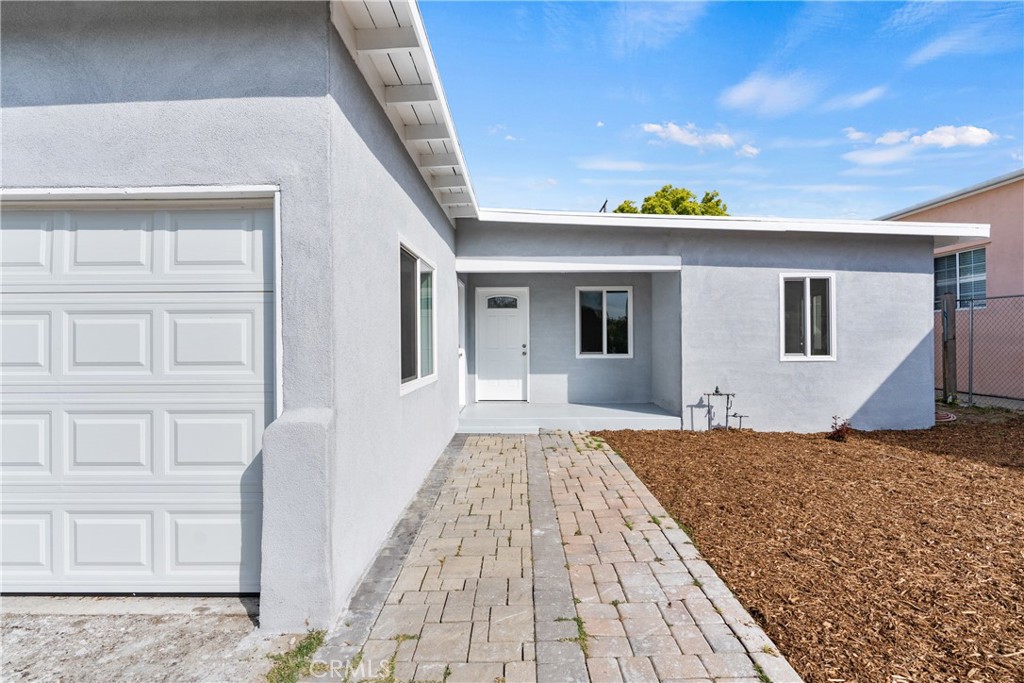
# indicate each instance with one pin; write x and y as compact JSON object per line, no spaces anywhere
{"x":987,"y":352}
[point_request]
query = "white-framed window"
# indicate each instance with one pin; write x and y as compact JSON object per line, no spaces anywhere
{"x":963,"y":275}
{"x":418,"y":325}
{"x":807,"y":307}
{"x":604,"y":322}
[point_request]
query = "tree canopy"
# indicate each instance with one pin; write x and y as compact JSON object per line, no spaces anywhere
{"x":677,"y":201}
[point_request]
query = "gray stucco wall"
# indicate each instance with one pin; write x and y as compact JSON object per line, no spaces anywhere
{"x":386,"y":442}
{"x":730,"y":318}
{"x":666,"y":342}
{"x":556,"y":374}
{"x":158,"y":94}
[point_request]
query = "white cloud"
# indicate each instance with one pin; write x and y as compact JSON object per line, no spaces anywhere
{"x":961,"y":41}
{"x":748,"y":151}
{"x":496,"y":128}
{"x":689,"y":135}
{"x":893,"y":137}
{"x":603,"y":163}
{"x":511,"y":138}
{"x":771,"y":96}
{"x":913,"y":16}
{"x":855,"y":135}
{"x":599,"y":124}
{"x":855,"y":100}
{"x":879,"y":156}
{"x":650,"y":25}
{"x":898,"y":145}
{"x":955,"y":136}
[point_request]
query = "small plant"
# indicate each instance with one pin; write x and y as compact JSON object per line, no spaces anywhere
{"x":698,"y":583}
{"x":840,"y":429}
{"x":288,"y":666}
{"x":762,"y":677}
{"x":628,"y":524}
{"x":656,"y":521}
{"x":616,"y":603}
{"x":579,"y":532}
{"x":581,"y":634}
{"x":576,"y":601}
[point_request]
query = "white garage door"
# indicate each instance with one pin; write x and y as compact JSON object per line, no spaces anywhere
{"x":136,"y":349}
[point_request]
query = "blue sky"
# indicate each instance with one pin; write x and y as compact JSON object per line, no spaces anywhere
{"x":817,"y":109}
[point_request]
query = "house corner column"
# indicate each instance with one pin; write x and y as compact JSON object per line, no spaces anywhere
{"x":296,"y":580}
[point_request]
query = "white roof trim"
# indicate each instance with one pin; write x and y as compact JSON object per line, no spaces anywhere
{"x":31,"y":194}
{"x":954,"y":196}
{"x":380,"y":35}
{"x":626,"y":220}
{"x":568,"y":264}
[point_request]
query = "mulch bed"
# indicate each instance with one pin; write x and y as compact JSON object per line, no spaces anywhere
{"x":894,"y":556}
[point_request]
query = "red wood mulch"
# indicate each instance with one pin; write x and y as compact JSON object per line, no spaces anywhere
{"x":893,"y":557}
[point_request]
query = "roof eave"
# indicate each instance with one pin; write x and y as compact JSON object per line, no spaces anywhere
{"x":444,"y":169}
{"x":732,"y":223}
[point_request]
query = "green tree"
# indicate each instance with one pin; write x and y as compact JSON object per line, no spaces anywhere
{"x":677,"y":201}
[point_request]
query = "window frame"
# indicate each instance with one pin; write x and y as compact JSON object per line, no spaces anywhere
{"x":631,"y":312}
{"x":423,"y":265}
{"x":961,"y":303}
{"x":832,"y":336}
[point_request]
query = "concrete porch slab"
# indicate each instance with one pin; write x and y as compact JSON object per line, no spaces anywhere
{"x":516,"y":417}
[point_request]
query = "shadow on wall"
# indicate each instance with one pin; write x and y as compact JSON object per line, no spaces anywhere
{"x":905,"y":399}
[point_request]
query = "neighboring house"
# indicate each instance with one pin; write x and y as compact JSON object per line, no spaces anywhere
{"x":985,"y":270}
{"x":248,"y":290}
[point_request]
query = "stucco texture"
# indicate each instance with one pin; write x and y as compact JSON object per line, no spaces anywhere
{"x":730,"y":319}
{"x":161,"y":94}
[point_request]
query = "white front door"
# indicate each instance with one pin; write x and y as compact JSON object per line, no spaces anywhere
{"x":502,"y":343}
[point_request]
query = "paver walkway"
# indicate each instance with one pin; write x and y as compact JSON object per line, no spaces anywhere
{"x":544,"y":558}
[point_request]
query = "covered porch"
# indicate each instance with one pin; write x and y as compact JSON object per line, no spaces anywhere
{"x":573,"y":343}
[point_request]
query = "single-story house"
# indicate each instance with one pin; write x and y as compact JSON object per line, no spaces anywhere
{"x":248,"y":292}
{"x":989,"y":271}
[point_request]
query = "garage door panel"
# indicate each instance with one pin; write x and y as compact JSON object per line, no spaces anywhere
{"x":135,"y":350}
{"x":110,"y":243}
{"x":25,"y":343}
{"x":134,"y":438}
{"x":110,"y":441}
{"x":149,"y":248}
{"x":25,"y":442}
{"x":26,"y":540}
{"x":135,"y":543}
{"x":109,"y":343}
{"x":213,"y":341}
{"x":149,"y":341}
{"x":26,"y":244}
{"x":227,"y":244}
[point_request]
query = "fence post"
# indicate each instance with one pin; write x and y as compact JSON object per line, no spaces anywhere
{"x":970,"y":357}
{"x":949,"y":392}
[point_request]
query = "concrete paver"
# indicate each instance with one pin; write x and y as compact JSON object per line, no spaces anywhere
{"x":544,"y":559}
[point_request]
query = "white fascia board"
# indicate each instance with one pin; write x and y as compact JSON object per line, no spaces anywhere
{"x":732,"y":223}
{"x":568,"y":264}
{"x":442,"y":101}
{"x":31,"y":194}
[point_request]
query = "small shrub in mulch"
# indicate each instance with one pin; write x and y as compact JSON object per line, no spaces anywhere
{"x":895,"y":556}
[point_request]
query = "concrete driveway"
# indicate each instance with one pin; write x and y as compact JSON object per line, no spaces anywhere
{"x":114,"y":639}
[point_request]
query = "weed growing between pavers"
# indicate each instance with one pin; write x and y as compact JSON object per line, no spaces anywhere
{"x":288,"y":666}
{"x":582,"y":636}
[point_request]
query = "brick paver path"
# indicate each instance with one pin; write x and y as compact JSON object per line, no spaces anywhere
{"x":544,"y":558}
